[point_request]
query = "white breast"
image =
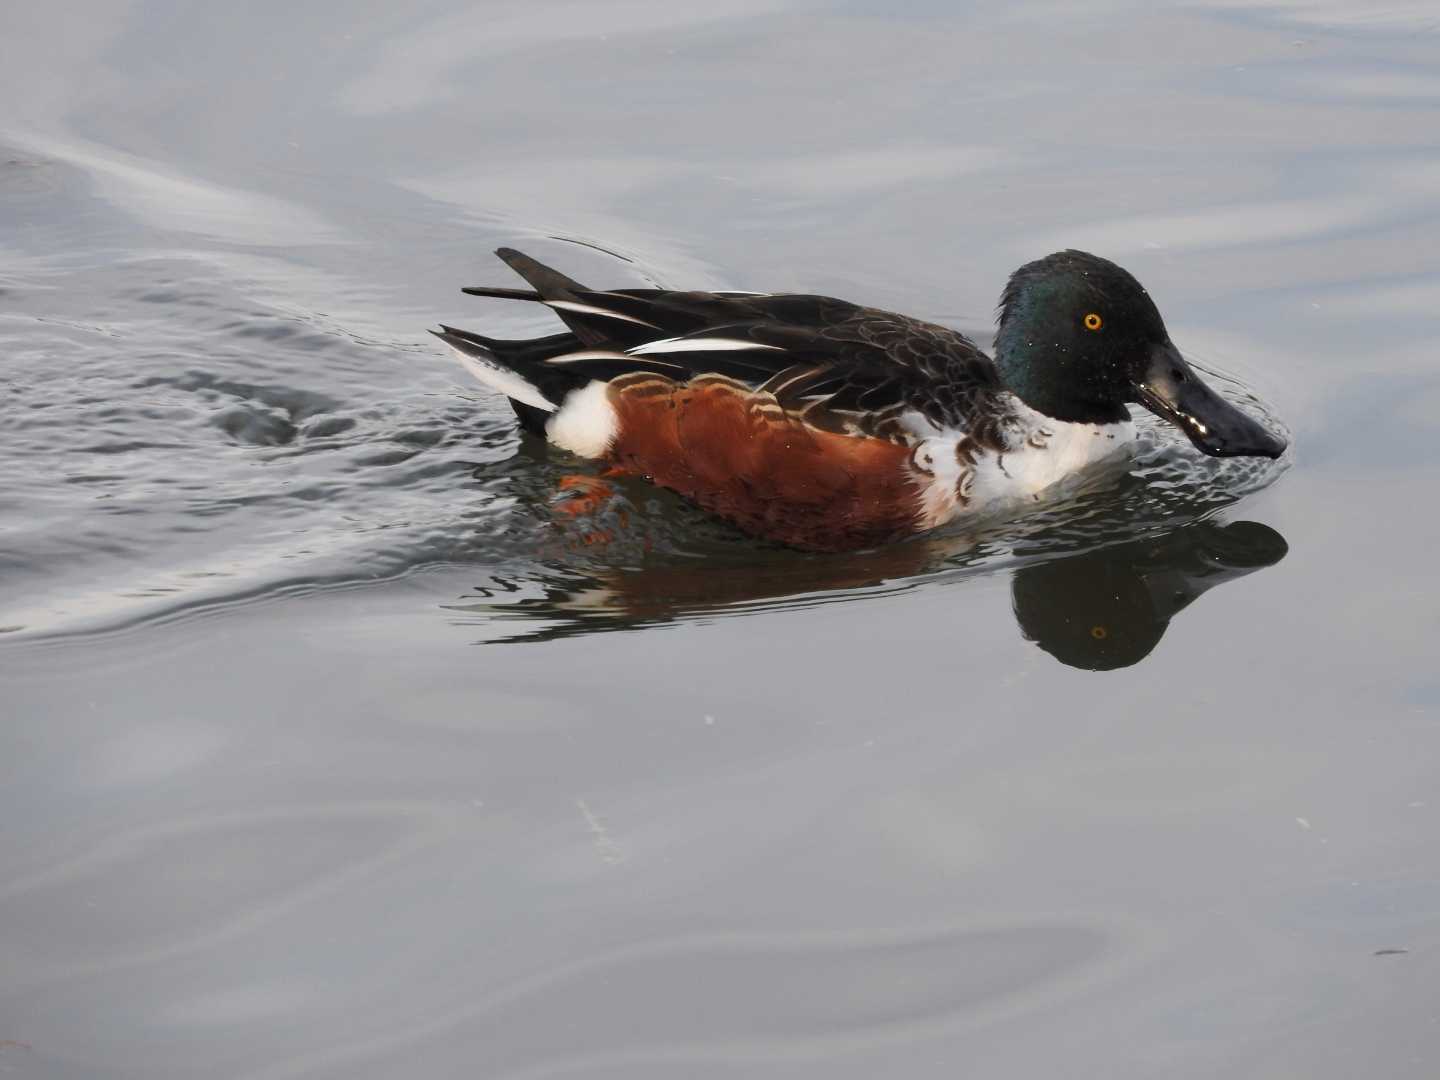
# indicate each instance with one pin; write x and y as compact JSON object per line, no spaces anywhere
{"x":1041,"y":454}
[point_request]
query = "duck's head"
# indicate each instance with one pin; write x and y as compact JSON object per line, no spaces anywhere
{"x":1080,"y":338}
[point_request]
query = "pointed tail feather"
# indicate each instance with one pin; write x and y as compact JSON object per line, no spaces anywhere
{"x":480,"y":359}
{"x":599,"y":319}
{"x":548,"y":282}
{"x":501,"y":294}
{"x":561,"y":293}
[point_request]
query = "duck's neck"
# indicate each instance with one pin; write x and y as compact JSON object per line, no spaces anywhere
{"x":1041,"y":378}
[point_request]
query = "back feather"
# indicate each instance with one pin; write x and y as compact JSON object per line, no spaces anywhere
{"x":835,"y":364}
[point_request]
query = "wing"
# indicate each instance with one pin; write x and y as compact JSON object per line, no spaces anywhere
{"x":836,"y":365}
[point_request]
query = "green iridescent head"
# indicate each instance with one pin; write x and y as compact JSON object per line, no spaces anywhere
{"x":1079,"y":339}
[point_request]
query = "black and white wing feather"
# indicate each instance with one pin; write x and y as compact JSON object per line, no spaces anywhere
{"x":838,"y":365}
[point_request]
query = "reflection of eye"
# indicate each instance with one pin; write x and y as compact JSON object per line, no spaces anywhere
{"x":1093,"y":321}
{"x":1099,"y":633}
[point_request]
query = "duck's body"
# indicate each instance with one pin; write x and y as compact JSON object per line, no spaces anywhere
{"x":804,"y":419}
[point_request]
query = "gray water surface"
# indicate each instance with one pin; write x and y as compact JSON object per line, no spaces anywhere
{"x":329,"y":749}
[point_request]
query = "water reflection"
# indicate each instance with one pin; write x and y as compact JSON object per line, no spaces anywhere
{"x":1096,"y":609}
{"x":1109,"y":608}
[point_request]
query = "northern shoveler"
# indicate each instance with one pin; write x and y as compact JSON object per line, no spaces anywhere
{"x":828,"y":425}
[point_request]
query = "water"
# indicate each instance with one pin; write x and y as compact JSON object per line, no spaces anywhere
{"x":329,"y":751}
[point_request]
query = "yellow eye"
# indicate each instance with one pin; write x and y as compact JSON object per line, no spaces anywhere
{"x":1099,"y":633}
{"x":1093,"y":321}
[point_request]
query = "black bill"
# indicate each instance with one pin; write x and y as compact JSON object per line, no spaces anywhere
{"x":1171,"y":390}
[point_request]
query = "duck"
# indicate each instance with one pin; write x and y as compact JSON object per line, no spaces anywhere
{"x":827,"y":425}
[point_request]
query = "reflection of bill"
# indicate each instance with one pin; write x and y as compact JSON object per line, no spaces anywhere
{"x":1097,"y":609}
{"x":1108,"y":608}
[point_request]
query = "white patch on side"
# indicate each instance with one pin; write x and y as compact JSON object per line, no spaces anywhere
{"x":591,"y":309}
{"x":701,"y":344}
{"x":500,"y":378}
{"x":585,"y":423}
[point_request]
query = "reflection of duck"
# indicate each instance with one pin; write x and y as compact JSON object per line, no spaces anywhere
{"x":574,"y":603}
{"x":1098,"y":609}
{"x":830,"y":426}
{"x":1108,"y":608}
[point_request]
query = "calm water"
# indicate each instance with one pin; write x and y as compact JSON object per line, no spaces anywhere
{"x":327,"y":752}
